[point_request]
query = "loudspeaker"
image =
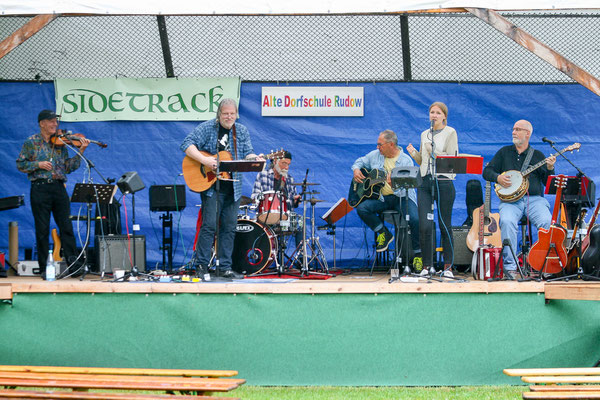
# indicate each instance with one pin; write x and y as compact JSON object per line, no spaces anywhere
{"x":130,"y":182}
{"x":167,"y":197}
{"x":112,"y":252}
{"x":462,"y":254}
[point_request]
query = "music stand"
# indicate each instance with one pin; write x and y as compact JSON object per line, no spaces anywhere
{"x":91,"y":193}
{"x":339,"y":210}
{"x":230,"y":166}
{"x":460,"y":164}
{"x":403,"y":178}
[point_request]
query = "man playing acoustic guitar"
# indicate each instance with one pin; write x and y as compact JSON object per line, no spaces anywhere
{"x":387,"y":157}
{"x":518,"y":157}
{"x":213,"y":136}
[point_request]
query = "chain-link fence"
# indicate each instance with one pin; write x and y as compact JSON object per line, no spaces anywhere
{"x":318,"y":48}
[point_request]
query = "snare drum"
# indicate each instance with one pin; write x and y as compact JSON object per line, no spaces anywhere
{"x":272,"y":207}
{"x":254,"y":247}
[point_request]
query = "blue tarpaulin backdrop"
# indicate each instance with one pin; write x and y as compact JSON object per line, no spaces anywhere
{"x":482,"y":114}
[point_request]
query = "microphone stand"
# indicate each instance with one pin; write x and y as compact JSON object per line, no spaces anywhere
{"x":579,"y":171}
{"x":432,"y":169}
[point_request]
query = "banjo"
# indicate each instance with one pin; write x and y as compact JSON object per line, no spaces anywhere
{"x":519,"y":184}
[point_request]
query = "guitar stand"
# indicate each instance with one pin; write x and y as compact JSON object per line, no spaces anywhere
{"x":495,"y":278}
{"x":542,"y":271}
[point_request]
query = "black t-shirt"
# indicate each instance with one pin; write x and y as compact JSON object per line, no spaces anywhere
{"x":507,"y":158}
{"x":224,"y":145}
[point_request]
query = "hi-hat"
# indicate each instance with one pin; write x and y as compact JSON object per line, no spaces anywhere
{"x":245,"y":200}
{"x":307,"y":183}
{"x":313,"y":201}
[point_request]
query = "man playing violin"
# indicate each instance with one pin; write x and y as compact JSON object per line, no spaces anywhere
{"x":47,"y":166}
{"x":213,"y":136}
{"x":533,"y":205}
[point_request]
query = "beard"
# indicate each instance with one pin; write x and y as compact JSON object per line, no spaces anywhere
{"x":517,"y":141}
{"x":280,"y":171}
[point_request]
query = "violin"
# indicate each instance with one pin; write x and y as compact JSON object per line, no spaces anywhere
{"x":63,"y":137}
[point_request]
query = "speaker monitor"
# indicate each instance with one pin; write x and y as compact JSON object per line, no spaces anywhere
{"x":112,"y":252}
{"x":130,"y":182}
{"x":167,"y":197}
{"x":462,"y":254}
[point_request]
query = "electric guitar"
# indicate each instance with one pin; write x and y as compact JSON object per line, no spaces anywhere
{"x":369,"y":188}
{"x":549,"y":253}
{"x":486,"y":228}
{"x":198,"y":177}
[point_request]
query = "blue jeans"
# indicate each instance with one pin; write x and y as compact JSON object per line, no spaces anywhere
{"x":368,"y":212}
{"x":228,"y":211}
{"x":538,"y":210}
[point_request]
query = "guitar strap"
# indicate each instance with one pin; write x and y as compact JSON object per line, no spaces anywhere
{"x":527,"y":159}
{"x":234,"y":143}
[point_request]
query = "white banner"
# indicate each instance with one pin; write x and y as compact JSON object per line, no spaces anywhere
{"x":310,"y":101}
{"x":153,"y":99}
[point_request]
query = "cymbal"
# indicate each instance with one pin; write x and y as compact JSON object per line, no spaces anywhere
{"x":313,"y":201}
{"x":307,"y":183}
{"x":245,"y":200}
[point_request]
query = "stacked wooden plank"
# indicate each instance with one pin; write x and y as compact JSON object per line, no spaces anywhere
{"x":560,"y":383}
{"x":55,"y":382}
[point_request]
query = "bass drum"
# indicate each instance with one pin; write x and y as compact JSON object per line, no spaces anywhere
{"x":254,"y":247}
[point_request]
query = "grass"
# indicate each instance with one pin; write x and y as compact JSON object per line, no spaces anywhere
{"x":360,"y":393}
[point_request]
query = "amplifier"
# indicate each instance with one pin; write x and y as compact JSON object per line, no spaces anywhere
{"x":112,"y":252}
{"x":462,"y":254}
{"x":167,"y":197}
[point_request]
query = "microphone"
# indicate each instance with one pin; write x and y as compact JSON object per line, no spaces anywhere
{"x":546,"y":140}
{"x":432,"y":124}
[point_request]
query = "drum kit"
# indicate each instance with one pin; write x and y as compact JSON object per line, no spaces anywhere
{"x":260,"y":241}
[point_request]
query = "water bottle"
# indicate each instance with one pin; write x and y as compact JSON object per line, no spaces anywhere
{"x":50,"y":267}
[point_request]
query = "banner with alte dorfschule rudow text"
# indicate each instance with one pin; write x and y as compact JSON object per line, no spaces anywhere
{"x":321,"y":101}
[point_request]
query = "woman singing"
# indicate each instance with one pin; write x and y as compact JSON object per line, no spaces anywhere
{"x":444,"y":141}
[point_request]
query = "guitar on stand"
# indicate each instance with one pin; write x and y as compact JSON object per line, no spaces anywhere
{"x":487,"y":222}
{"x":487,"y":248}
{"x":548,"y":255}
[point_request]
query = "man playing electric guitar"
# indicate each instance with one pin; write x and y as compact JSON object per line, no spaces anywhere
{"x":533,"y":205}
{"x":387,"y":157}
{"x":213,"y":136}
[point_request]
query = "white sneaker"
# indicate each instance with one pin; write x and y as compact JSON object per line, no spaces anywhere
{"x":448,"y":274}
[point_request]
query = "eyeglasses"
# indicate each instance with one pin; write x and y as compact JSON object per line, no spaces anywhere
{"x":520,"y":129}
{"x":381,"y":144}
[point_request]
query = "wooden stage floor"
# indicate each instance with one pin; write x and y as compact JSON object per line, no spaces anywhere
{"x":356,"y":282}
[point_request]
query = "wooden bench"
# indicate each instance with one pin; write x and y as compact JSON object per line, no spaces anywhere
{"x":192,"y":384}
{"x":560,"y":383}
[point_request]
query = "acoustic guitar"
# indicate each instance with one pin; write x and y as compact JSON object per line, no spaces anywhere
{"x":548,"y":254}
{"x":369,"y":188}
{"x":573,"y":258}
{"x":198,"y":177}
{"x":56,"y":246}
{"x":485,"y":225}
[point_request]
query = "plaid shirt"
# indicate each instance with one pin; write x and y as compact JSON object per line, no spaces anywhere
{"x":265,"y":181}
{"x":204,"y":137}
{"x":36,"y":149}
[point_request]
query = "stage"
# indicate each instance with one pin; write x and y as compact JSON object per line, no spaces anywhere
{"x":348,"y":330}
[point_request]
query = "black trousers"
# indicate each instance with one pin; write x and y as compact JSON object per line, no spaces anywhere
{"x":445,"y":202}
{"x":51,"y":198}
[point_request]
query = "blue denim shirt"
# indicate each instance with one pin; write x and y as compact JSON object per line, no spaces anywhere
{"x":374,"y":160}
{"x":204,"y":137}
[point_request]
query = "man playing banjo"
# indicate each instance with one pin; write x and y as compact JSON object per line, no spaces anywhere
{"x":518,"y":157}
